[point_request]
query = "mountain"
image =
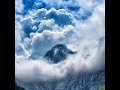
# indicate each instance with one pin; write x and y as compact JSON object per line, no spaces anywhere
{"x":18,"y":87}
{"x":58,"y":53}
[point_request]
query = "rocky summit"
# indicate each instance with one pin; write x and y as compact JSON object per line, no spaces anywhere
{"x":58,"y":53}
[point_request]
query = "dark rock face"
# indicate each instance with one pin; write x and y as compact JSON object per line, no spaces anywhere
{"x":18,"y":87}
{"x":58,"y":53}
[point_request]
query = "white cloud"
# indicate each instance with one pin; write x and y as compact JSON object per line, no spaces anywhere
{"x":17,"y":38}
{"x":27,"y":25}
{"x":44,"y":20}
{"x":93,"y":27}
{"x":18,"y":33}
{"x":88,"y":4}
{"x":46,"y":25}
{"x":19,"y":6}
{"x":79,"y":8}
{"x":40,"y":13}
{"x":42,"y":42}
{"x":60,"y":16}
{"x":56,"y":26}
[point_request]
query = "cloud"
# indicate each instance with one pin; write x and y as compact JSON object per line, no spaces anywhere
{"x":19,"y":6}
{"x":40,"y":13}
{"x":93,"y":27}
{"x":46,"y":25}
{"x":60,"y":16}
{"x":33,"y":71}
{"x":18,"y":33}
{"x":81,"y":9}
{"x":45,"y":20}
{"x":27,"y":24}
{"x":42,"y":42}
{"x":39,"y":4}
{"x":44,"y":28}
{"x":17,"y":37}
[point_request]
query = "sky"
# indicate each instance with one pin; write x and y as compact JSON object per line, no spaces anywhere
{"x":42,"y":24}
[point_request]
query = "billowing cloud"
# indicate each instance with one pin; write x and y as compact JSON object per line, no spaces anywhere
{"x":44,"y":28}
{"x":42,"y":42}
{"x":60,"y":16}
{"x":46,"y":20}
{"x":46,"y":25}
{"x":81,"y":9}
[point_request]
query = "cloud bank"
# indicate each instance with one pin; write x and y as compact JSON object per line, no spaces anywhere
{"x":42,"y":25}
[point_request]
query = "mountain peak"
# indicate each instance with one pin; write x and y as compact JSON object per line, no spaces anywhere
{"x":58,"y":53}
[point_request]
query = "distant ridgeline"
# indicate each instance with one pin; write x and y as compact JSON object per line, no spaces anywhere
{"x":58,"y":53}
